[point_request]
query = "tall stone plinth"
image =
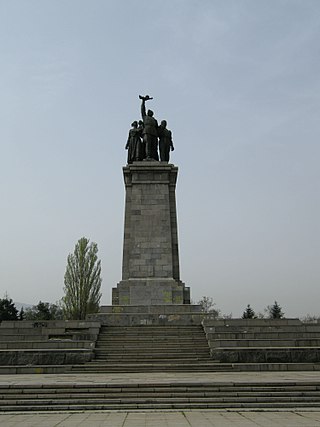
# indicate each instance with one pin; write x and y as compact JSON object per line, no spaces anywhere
{"x":150,"y":267}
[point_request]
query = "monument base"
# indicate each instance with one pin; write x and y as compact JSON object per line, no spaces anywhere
{"x":150,"y":291}
{"x":135,"y":315}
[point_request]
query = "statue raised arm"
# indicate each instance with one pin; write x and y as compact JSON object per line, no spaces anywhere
{"x":150,"y":130}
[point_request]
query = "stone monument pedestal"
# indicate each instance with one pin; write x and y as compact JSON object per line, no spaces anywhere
{"x":150,"y":267}
{"x":150,"y":292}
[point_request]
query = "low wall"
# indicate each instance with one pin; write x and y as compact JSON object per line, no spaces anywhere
{"x":45,"y":357}
{"x":37,"y":343}
{"x":261,"y":341}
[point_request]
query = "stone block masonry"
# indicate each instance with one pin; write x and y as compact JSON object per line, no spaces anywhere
{"x":150,"y":267}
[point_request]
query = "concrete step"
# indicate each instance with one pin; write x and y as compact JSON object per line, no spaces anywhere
{"x":157,"y":346}
{"x":66,"y":397}
{"x":187,"y":366}
{"x":150,"y":329}
{"x":142,"y":333}
{"x":106,"y":337}
{"x":120,"y":406}
{"x":150,"y":348}
{"x":177,"y":358}
{"x":41,"y":344}
{"x":163,"y":354}
{"x":236,"y":328}
{"x":152,"y":344}
{"x":212,"y":395}
{"x":162,"y":350}
{"x":149,"y":345}
{"x":262,"y":335}
{"x":301,"y":342}
{"x":216,"y":367}
{"x":150,"y":361}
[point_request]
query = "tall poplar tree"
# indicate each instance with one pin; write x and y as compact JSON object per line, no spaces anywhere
{"x":82,"y":281}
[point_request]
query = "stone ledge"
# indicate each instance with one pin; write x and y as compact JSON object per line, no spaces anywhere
{"x":267,"y":355}
{"x":209,"y":322}
{"x":41,"y":357}
{"x":54,"y":324}
{"x":151,"y":309}
{"x":136,"y":319}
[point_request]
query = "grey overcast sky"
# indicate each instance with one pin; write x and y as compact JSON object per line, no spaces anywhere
{"x":238,"y":82}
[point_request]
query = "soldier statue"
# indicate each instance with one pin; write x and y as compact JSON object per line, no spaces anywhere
{"x":142,"y":143}
{"x":149,"y":131}
{"x":165,"y":142}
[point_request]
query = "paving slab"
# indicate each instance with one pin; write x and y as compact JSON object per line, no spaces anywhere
{"x":160,"y":377}
{"x":166,"y":419}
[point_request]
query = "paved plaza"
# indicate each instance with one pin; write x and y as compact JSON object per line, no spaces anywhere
{"x":166,"y":419}
{"x":203,"y":418}
{"x":161,"y":377}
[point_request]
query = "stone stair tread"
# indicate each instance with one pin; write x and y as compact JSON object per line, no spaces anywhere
{"x":152,"y":359}
{"x":158,"y":399}
{"x":155,"y":406}
{"x":190,"y":394}
{"x":271,"y":347}
{"x":151,"y":396}
{"x":160,"y":352}
{"x":150,"y":348}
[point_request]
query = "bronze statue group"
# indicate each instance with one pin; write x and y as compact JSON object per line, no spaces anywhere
{"x":146,"y":135}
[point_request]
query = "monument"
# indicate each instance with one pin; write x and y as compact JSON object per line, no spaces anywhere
{"x":150,"y":266}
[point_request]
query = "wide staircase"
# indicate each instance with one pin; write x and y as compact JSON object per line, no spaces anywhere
{"x":152,"y":348}
{"x":153,"y":396}
{"x":173,"y":350}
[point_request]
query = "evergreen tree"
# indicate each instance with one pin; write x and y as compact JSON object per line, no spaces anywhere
{"x":275,"y":311}
{"x":8,"y":310}
{"x":43,"y":311}
{"x":82,"y":281}
{"x":21,"y":314}
{"x":249,"y":313}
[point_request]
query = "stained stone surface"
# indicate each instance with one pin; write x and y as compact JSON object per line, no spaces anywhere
{"x":150,"y":267}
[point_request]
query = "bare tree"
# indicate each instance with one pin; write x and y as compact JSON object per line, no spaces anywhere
{"x":82,"y":281}
{"x":208,"y":306}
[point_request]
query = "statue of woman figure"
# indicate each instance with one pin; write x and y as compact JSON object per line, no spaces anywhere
{"x":133,"y":143}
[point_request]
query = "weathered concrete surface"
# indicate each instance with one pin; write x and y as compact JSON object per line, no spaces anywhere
{"x":152,"y":309}
{"x":263,"y":341}
{"x":49,"y":330}
{"x":45,"y":357}
{"x":133,"y":315}
{"x":130,"y":319}
{"x":46,"y":343}
{"x":292,"y":382}
{"x":267,"y":355}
